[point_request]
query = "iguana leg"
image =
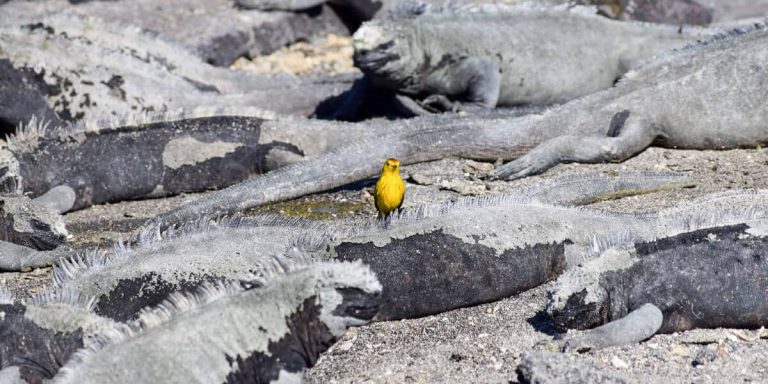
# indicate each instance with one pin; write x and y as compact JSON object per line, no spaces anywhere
{"x":635,"y":136}
{"x":15,"y":257}
{"x":279,"y":5}
{"x":60,"y":198}
{"x":410,"y":107}
{"x":475,"y":79}
{"x":638,"y":325}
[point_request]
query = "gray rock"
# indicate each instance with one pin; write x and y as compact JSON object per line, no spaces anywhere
{"x":555,"y":368}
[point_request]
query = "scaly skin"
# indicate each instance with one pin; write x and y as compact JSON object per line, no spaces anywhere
{"x":73,"y":168}
{"x":92,"y":69}
{"x":40,"y":335}
{"x":28,"y":223}
{"x":612,"y":124}
{"x":535,"y":55}
{"x":227,"y":334}
{"x":708,"y":278}
{"x":658,"y":11}
{"x":478,"y":263}
{"x":708,"y":96}
{"x":213,"y":30}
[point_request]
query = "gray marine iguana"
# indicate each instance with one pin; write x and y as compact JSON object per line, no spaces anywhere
{"x":428,"y":249}
{"x":432,"y":263}
{"x":605,"y":117}
{"x":214,"y":30}
{"x":85,"y":68}
{"x":93,"y":162}
{"x":74,"y":166}
{"x":659,"y":11}
{"x":706,"y":96}
{"x":38,"y":336}
{"x":129,"y":278}
{"x":133,"y":276}
{"x":29,"y":223}
{"x":535,"y":55}
{"x":706,"y":278}
{"x":224,"y":333}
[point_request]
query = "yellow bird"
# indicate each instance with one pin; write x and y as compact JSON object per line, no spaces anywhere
{"x":390,"y":189}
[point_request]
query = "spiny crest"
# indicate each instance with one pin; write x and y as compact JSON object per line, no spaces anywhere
{"x":468,"y":204}
{"x":68,"y":269}
{"x":178,"y":303}
{"x":28,"y":134}
{"x":154,"y":232}
{"x":174,"y":306}
{"x":724,"y":39}
{"x":697,"y":220}
{"x":725,"y":208}
{"x":600,"y":244}
{"x":66,"y":296}
{"x":414,"y":9}
{"x":570,"y":182}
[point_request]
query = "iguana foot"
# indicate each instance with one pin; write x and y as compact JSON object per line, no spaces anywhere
{"x":638,"y":325}
{"x":528,"y":165}
{"x":440,"y":103}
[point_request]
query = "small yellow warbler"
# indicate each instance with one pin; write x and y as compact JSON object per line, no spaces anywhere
{"x":390,"y":189}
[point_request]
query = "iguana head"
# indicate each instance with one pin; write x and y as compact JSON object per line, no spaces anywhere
{"x":377,"y":50}
{"x":26,"y":222}
{"x":580,"y":299}
{"x":348,"y":293}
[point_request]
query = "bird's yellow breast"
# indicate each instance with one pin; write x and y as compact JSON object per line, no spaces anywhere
{"x":390,"y":190}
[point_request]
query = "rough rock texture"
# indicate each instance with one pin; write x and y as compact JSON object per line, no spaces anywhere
{"x":549,"y":368}
{"x":331,"y":55}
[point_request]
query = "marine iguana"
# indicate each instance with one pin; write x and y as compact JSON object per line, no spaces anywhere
{"x":87,"y":69}
{"x":214,"y":30}
{"x":429,"y":250}
{"x":706,"y":96}
{"x":659,"y":11}
{"x":28,"y":223}
{"x":73,"y":167}
{"x":126,"y":279}
{"x":706,"y":278}
{"x":38,"y":336}
{"x":130,"y":277}
{"x":535,"y":55}
{"x":435,"y":263}
{"x":226,"y":334}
